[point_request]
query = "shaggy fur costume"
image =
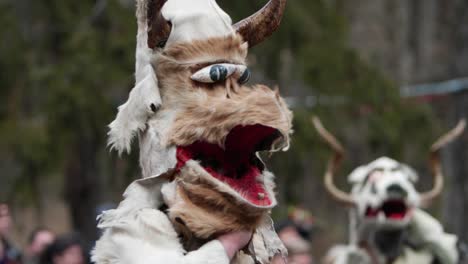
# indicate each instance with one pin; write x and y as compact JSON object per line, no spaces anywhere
{"x":137,"y":232}
{"x":185,"y":200}
{"x":410,"y":236}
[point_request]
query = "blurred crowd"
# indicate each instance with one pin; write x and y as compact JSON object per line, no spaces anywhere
{"x":43,"y":245}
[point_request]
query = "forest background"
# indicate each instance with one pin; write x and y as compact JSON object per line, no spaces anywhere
{"x":65,"y":67}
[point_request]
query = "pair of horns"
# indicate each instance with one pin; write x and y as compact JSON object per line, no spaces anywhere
{"x":338,"y":154}
{"x":254,"y":29}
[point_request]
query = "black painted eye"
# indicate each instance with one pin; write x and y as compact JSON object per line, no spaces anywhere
{"x":161,"y":44}
{"x":245,"y":77}
{"x":218,"y":73}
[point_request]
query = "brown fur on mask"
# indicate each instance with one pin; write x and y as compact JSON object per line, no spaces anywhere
{"x":205,"y":209}
{"x":207,"y":112}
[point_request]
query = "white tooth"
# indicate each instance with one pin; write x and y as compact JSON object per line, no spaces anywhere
{"x":381,"y":216}
{"x":261,"y":196}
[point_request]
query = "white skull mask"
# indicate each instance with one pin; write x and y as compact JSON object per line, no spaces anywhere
{"x":384,"y":192}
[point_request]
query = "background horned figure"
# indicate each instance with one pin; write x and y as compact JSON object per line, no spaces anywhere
{"x":386,"y":222}
{"x":200,"y":128}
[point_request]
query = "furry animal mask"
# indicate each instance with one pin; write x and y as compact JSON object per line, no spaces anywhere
{"x":383,"y":191}
{"x":384,"y":205}
{"x":198,"y":122}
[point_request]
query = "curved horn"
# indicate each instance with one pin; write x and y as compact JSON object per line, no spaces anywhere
{"x":158,"y":27}
{"x":333,"y":164}
{"x":259,"y":26}
{"x":429,"y":196}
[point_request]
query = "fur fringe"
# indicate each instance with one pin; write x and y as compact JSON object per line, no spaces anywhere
{"x":144,"y":101}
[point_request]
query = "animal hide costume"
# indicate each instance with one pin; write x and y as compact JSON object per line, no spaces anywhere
{"x":386,"y":222}
{"x":200,"y":129}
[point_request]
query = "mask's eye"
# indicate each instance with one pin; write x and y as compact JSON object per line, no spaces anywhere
{"x":219,"y":72}
{"x":245,"y":76}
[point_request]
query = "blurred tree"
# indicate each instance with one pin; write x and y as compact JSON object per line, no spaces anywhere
{"x":456,"y":199}
{"x":66,"y":68}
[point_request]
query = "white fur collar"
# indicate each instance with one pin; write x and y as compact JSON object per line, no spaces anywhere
{"x":150,"y":193}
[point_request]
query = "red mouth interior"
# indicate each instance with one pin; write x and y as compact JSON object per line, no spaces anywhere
{"x":236,"y":164}
{"x":393,"y":209}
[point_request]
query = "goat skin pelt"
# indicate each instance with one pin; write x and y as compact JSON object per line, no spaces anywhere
{"x":138,"y":232}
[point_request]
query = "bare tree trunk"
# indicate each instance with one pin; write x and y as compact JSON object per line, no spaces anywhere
{"x":456,"y":194}
{"x":82,"y":188}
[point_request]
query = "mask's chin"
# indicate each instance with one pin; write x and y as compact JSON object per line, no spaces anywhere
{"x":235,"y":169}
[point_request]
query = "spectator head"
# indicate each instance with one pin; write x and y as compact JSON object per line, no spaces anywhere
{"x":5,"y":219}
{"x":38,"y":241}
{"x":2,"y":251}
{"x":298,"y":246}
{"x":64,"y":250}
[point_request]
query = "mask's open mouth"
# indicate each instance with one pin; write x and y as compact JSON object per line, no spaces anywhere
{"x":237,"y":164}
{"x":392,"y":209}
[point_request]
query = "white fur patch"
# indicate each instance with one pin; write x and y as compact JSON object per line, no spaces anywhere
{"x":136,"y":232}
{"x":147,"y":238}
{"x":140,"y":194}
{"x":347,"y":254}
{"x":192,"y":20}
{"x":144,"y":100}
{"x":155,"y":156}
{"x":426,"y":230}
{"x":359,"y":174}
{"x":266,"y":242}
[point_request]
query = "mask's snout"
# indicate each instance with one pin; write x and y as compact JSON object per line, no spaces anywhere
{"x":396,"y":191}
